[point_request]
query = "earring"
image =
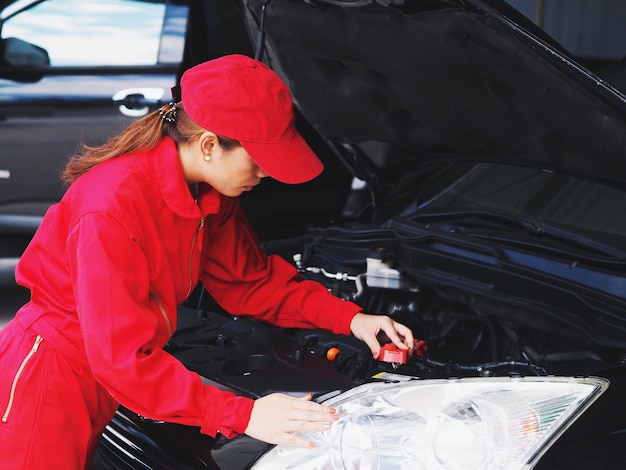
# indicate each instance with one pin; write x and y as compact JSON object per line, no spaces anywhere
{"x":207,"y":157}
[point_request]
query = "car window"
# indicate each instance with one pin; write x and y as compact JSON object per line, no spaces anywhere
{"x":97,"y":33}
{"x":75,"y":72}
{"x":564,"y":200}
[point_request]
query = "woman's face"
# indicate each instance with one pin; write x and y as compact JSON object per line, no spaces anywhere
{"x":232,"y":172}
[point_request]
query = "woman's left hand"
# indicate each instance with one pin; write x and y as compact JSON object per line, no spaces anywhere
{"x":366,"y":327}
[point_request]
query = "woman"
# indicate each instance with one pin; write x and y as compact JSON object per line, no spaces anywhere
{"x":148,"y":215}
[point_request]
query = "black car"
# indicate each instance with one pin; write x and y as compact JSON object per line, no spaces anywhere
{"x":483,"y":207}
{"x":77,"y":71}
{"x":66,"y":79}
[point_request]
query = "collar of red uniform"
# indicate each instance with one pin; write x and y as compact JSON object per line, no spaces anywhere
{"x":173,"y":185}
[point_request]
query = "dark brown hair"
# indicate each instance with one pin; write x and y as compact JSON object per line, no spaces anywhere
{"x":141,"y":135}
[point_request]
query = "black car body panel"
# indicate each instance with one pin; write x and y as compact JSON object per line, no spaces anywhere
{"x":448,"y":80}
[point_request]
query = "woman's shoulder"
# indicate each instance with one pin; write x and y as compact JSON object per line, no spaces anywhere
{"x":119,"y":184}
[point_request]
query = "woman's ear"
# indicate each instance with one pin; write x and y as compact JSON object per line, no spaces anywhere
{"x":208,"y":143}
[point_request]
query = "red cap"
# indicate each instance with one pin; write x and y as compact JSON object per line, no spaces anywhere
{"x":242,"y":99}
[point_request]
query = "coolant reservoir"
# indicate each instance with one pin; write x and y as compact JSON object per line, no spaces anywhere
{"x":381,"y":273}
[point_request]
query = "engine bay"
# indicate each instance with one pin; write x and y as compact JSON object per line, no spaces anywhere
{"x":458,"y":333}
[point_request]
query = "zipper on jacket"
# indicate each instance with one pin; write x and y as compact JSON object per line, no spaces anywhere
{"x":16,"y":379}
{"x":194,"y":242}
{"x":163,"y":314}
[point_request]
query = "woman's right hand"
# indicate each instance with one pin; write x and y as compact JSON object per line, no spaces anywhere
{"x":276,"y":417}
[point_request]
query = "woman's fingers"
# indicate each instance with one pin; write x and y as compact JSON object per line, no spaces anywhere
{"x":399,"y":334}
{"x":276,"y":417}
{"x":366,"y":327}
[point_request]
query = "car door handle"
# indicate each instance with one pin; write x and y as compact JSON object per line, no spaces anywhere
{"x":136,"y":102}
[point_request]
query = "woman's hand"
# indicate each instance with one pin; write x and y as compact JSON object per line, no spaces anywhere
{"x":276,"y":417}
{"x":366,"y":327}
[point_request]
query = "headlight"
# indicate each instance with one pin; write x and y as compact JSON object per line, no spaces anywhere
{"x":482,"y":423}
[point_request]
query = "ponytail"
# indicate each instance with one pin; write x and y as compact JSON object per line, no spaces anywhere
{"x":144,"y":134}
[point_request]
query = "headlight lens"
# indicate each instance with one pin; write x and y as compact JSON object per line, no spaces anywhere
{"x":459,"y":424}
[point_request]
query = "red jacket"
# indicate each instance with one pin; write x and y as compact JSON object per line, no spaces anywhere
{"x":125,"y":246}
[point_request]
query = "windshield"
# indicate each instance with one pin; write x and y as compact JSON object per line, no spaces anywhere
{"x":580,"y":206}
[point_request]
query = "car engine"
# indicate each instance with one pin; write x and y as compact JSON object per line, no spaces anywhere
{"x":458,"y":333}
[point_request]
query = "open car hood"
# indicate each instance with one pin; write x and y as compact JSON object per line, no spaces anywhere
{"x":392,"y":87}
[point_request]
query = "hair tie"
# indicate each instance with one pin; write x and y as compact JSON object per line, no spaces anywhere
{"x":168,"y":112}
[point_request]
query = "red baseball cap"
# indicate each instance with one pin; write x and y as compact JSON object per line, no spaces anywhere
{"x":242,"y":99}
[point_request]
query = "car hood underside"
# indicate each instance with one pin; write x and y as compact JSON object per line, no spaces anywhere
{"x":394,"y":86}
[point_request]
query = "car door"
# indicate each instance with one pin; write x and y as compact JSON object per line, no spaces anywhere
{"x":71,"y":72}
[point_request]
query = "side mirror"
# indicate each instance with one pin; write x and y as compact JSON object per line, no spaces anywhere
{"x":22,"y":61}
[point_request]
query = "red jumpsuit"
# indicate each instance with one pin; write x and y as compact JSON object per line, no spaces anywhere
{"x":106,"y":270}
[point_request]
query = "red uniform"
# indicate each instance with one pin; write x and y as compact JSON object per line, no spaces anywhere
{"x":106,"y":270}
